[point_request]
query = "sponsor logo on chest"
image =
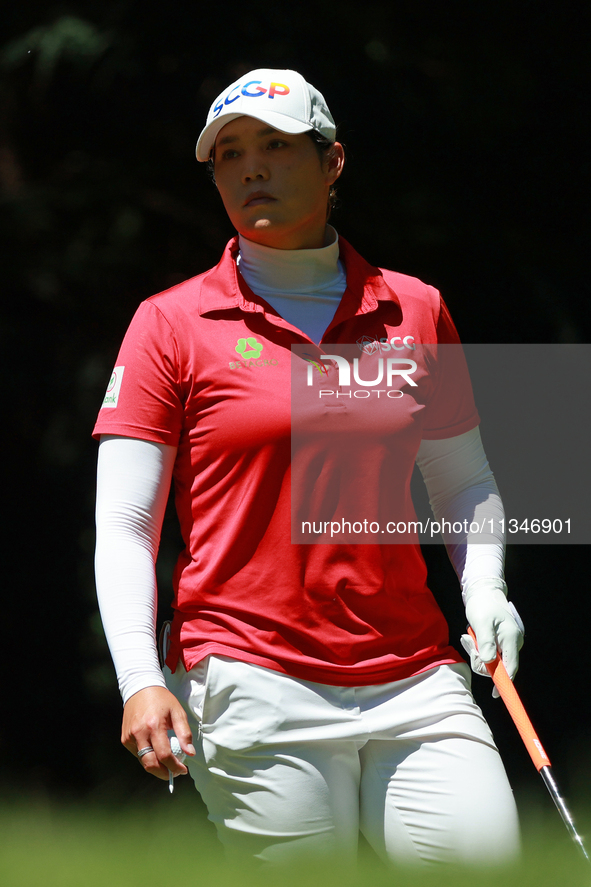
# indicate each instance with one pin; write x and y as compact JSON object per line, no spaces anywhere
{"x":371,"y":345}
{"x":250,"y":350}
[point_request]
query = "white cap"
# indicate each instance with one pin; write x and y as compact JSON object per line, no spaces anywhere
{"x":282,"y":99}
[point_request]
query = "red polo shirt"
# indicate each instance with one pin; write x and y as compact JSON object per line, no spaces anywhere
{"x":207,"y":366}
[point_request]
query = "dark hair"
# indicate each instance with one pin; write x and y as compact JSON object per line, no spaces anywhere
{"x":325,"y":150}
{"x":323,"y":146}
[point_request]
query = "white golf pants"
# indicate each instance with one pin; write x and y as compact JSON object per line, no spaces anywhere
{"x":289,"y":768}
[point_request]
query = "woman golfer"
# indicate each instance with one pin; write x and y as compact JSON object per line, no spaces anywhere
{"x":288,"y":392}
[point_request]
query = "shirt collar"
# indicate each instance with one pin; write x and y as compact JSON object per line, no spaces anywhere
{"x":223,"y":288}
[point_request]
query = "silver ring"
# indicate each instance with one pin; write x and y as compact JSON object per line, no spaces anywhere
{"x":144,"y":751}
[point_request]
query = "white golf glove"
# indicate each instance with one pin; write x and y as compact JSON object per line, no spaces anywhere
{"x":496,"y":624}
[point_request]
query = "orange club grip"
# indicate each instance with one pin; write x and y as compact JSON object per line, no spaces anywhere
{"x":510,"y":697}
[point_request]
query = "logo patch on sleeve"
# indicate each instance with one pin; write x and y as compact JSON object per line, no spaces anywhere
{"x":113,"y":389}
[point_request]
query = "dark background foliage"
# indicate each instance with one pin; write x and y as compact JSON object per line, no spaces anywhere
{"x":468,"y":166}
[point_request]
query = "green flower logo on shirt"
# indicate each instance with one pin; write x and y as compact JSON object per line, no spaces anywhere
{"x":255,"y":348}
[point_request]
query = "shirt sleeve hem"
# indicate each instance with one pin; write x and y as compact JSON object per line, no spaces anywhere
{"x":451,"y":431}
{"x":155,"y":436}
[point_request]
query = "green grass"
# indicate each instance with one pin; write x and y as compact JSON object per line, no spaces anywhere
{"x":167,"y":845}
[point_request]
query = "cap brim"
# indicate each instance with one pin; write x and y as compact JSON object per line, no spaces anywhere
{"x":280,"y":122}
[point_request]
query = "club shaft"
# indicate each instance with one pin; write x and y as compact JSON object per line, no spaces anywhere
{"x":547,"y":776}
{"x":510,"y":697}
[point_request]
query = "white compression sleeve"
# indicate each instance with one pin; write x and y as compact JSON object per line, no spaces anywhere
{"x":133,"y":481}
{"x":461,"y":487}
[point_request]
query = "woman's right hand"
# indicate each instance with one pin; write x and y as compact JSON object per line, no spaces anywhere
{"x":147,"y":717}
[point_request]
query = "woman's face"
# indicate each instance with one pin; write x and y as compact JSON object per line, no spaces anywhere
{"x":273,"y":184}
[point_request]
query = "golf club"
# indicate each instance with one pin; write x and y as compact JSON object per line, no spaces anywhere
{"x":535,"y":748}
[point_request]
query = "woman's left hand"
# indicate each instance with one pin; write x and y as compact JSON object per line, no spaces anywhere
{"x":496,"y":624}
